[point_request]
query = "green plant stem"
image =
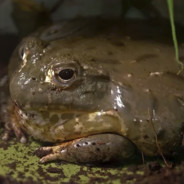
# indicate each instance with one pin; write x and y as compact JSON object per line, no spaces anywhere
{"x":171,"y":14}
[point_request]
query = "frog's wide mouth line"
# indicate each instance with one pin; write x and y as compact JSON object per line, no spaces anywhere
{"x":49,"y":128}
{"x":91,"y":138}
{"x":88,"y":124}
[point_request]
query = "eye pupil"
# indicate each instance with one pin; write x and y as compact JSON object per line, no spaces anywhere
{"x":66,"y":74}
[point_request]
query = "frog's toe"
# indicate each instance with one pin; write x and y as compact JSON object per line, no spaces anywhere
{"x":12,"y":128}
{"x":50,"y":153}
{"x":7,"y":132}
{"x":18,"y":130}
{"x":19,"y":134}
{"x":50,"y":157}
{"x":23,"y":139}
{"x":6,"y":135}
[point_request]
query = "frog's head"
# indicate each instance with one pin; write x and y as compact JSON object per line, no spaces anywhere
{"x":61,"y":92}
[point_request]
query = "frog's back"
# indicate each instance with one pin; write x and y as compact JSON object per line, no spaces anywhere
{"x":145,"y":64}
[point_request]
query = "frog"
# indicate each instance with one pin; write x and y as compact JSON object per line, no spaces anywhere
{"x":95,"y":94}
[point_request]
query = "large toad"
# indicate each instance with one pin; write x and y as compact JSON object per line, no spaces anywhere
{"x":96,"y":93}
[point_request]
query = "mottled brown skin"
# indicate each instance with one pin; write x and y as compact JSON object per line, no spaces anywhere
{"x":117,"y":91}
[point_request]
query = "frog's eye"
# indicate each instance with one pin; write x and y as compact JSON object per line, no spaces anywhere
{"x":66,"y":74}
{"x":22,"y":53}
{"x":64,"y":77}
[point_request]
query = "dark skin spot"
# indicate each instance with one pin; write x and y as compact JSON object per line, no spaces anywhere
{"x":90,"y":48}
{"x":160,"y":134}
{"x":146,"y":57}
{"x":53,"y":88}
{"x":117,"y":43}
{"x":32,"y":115}
{"x":97,"y":149}
{"x":110,"y":53}
{"x":54,"y":118}
{"x":104,"y":60}
{"x":145,"y":136}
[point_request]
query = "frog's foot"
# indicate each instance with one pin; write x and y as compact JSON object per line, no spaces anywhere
{"x":92,"y":149}
{"x":19,"y":133}
{"x":12,"y":127}
{"x":7,"y":132}
{"x":8,"y":118}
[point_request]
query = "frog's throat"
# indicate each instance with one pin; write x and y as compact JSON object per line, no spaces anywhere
{"x":83,"y":125}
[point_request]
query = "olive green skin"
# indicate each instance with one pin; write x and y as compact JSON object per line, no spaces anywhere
{"x":121,"y":86}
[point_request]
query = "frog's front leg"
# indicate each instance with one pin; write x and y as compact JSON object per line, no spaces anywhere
{"x":11,"y":124}
{"x":92,"y":149}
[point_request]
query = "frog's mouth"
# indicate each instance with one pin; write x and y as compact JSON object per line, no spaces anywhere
{"x":89,"y":124}
{"x":83,"y":125}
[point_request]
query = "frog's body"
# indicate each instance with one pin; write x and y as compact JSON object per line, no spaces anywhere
{"x":101,"y":88}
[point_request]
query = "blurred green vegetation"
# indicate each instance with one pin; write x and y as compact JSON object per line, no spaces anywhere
{"x":171,"y":13}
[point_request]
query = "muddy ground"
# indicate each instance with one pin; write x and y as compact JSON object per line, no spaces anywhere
{"x":19,"y":164}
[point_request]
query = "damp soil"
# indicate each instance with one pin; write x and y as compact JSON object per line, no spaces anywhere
{"x":20,"y":165}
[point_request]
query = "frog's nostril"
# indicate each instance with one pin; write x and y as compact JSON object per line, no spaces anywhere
{"x":33,"y":78}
